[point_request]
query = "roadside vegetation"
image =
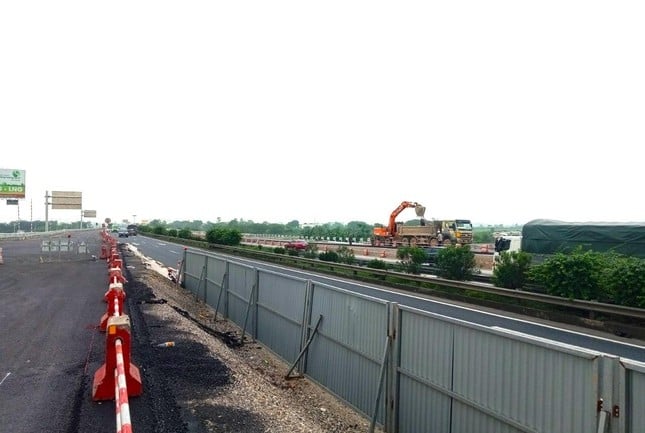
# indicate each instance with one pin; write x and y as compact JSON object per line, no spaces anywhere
{"x":584,"y":275}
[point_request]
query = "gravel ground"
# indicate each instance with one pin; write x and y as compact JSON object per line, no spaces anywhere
{"x":207,"y":381}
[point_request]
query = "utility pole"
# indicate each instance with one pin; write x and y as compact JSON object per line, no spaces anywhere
{"x":46,"y":211}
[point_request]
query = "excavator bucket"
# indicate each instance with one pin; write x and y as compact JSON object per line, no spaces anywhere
{"x":420,"y":210}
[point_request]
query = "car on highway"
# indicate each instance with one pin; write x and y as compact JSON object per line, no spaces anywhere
{"x":123,"y":232}
{"x":296,"y":245}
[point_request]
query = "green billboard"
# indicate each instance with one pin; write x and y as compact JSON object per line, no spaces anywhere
{"x":12,"y":183}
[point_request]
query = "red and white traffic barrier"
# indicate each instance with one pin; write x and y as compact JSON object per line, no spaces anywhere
{"x":118,"y":328}
{"x":114,"y":298}
{"x":123,"y":422}
{"x":1,"y":258}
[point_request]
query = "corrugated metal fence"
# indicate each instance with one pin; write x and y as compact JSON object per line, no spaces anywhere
{"x":412,"y":371}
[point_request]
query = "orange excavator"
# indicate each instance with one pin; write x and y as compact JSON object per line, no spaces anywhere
{"x":391,"y":229}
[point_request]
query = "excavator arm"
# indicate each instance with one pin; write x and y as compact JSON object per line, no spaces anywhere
{"x":390,"y":230}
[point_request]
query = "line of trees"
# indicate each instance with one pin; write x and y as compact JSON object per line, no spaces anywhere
{"x":39,"y":226}
{"x":355,"y":230}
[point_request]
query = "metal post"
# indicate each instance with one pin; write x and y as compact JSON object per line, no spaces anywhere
{"x":46,"y":211}
{"x":377,"y":402}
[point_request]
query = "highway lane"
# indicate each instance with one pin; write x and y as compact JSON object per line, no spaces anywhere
{"x":51,"y":346}
{"x":170,"y":254}
{"x":49,"y":342}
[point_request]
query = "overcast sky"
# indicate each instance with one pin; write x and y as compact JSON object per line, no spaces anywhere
{"x":497,"y":111}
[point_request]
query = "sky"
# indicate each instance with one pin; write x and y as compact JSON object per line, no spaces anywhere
{"x":500,"y":112}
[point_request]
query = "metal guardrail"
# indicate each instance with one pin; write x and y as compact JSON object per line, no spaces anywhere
{"x":32,"y":235}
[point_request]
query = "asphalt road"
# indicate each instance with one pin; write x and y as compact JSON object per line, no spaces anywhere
{"x":51,"y":344}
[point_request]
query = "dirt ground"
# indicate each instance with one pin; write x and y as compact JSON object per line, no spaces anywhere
{"x":211,"y":381}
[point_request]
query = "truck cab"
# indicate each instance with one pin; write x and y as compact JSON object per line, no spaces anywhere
{"x":507,"y":243}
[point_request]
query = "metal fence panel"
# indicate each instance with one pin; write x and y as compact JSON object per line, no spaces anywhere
{"x":468,"y":378}
{"x":524,"y":381}
{"x":240,"y":287}
{"x":422,"y":409}
{"x":635,"y":405}
{"x":346,"y":354}
{"x":470,"y":420}
{"x":215,"y":284}
{"x":193,"y":265}
{"x":425,"y":369}
{"x":281,"y":304}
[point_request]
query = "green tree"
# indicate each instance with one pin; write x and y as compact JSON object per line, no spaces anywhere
{"x":411,"y":258}
{"x":376,"y":264}
{"x":456,"y":263}
{"x":574,"y":275}
{"x":224,"y":236}
{"x":159,"y":230}
{"x":329,"y":256}
{"x":511,"y":269}
{"x":185,"y":233}
{"x":625,"y":282}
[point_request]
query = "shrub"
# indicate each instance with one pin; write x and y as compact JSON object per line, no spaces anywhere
{"x":376,"y":264}
{"x":511,"y":269}
{"x":346,"y":255}
{"x":574,"y":275}
{"x":411,"y":259}
{"x":185,"y":234}
{"x":311,"y":252}
{"x":159,"y":230}
{"x":329,"y":256}
{"x":224,"y":236}
{"x":624,"y":282}
{"x":456,"y":263}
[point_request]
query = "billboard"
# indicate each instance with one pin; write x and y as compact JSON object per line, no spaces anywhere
{"x":89,"y":213}
{"x":67,"y":200}
{"x":12,"y":183}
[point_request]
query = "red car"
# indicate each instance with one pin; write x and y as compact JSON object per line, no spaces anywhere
{"x":296,"y":245}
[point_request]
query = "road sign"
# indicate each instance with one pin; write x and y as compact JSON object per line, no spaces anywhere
{"x":12,"y":201}
{"x":89,"y":214}
{"x":67,"y":200}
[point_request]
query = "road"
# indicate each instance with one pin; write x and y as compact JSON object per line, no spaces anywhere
{"x":50,"y":344}
{"x":169,"y":254}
